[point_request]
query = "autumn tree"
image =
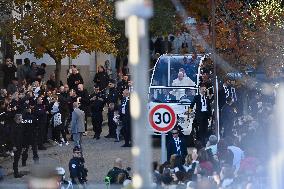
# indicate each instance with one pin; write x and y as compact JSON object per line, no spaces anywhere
{"x":248,"y":32}
{"x":62,"y":28}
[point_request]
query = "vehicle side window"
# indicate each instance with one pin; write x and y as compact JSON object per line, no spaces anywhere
{"x":160,"y":77}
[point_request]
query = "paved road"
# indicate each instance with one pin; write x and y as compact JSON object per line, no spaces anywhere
{"x":99,"y":156}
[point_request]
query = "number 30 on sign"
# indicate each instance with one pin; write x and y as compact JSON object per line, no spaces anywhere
{"x":162,"y":118}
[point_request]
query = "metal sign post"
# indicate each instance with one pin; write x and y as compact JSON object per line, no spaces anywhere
{"x":162,"y":119}
{"x":164,"y":149}
{"x":136,"y":13}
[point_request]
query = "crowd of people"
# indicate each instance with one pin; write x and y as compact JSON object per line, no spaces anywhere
{"x":34,"y":112}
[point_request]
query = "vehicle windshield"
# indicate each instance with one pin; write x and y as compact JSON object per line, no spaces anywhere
{"x":176,"y":71}
{"x":172,"y":95}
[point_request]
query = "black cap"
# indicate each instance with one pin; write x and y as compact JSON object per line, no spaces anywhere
{"x":76,"y":149}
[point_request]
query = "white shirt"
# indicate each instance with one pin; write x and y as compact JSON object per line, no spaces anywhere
{"x":186,"y":81}
{"x":178,"y":141}
{"x":124,"y":105}
{"x":203,"y":102}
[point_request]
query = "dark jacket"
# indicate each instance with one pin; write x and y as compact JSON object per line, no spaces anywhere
{"x":9,"y":73}
{"x":102,"y":80}
{"x":121,"y":86}
{"x":112,"y":96}
{"x":51,"y":84}
{"x":197,"y":101}
{"x":77,"y":170}
{"x":17,"y":137}
{"x":29,"y":128}
{"x":114,"y":172}
{"x":40,"y":114}
{"x":64,"y":100}
{"x":172,"y":149}
{"x":72,"y":79}
{"x":85,"y":101}
{"x":97,"y":106}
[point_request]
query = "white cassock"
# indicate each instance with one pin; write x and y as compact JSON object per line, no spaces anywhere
{"x":186,"y":81}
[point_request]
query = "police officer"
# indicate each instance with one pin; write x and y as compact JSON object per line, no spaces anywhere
{"x":29,"y":135}
{"x":97,"y":106}
{"x":123,"y":84}
{"x":78,"y":173}
{"x":41,"y":114}
{"x":17,"y":142}
{"x":112,"y":95}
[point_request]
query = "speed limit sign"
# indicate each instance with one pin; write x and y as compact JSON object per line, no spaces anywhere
{"x":162,"y":118}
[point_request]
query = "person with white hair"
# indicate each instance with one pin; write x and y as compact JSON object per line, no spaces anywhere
{"x":63,"y":184}
{"x":116,"y":170}
{"x":181,"y":81}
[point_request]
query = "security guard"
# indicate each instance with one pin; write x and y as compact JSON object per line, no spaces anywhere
{"x":17,"y":142}
{"x":30,"y":135}
{"x":112,"y":95}
{"x":78,"y":173}
{"x":97,"y":100}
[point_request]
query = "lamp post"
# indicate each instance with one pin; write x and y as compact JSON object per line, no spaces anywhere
{"x":136,"y":14}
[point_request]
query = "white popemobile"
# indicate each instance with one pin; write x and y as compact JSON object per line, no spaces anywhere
{"x":174,"y":82}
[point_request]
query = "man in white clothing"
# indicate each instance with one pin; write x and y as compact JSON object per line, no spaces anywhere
{"x":181,"y":81}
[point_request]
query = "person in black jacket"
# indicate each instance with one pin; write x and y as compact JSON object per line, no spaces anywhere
{"x":126,"y":118}
{"x":78,"y":173}
{"x":116,"y":170}
{"x":74,"y":79}
{"x":17,"y":142}
{"x":9,"y":70}
{"x":101,"y":78}
{"x":123,"y":84}
{"x":112,"y":96}
{"x":176,"y":145}
{"x":202,"y":114}
{"x":97,"y":106}
{"x":111,"y":123}
{"x":30,"y":135}
{"x":83,"y":98}
{"x":64,"y":100}
{"x":41,"y":123}
{"x":228,"y":113}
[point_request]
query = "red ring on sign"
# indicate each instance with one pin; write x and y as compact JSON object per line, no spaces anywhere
{"x":171,"y":124}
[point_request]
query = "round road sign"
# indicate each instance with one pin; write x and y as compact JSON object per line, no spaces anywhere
{"x":162,"y":118}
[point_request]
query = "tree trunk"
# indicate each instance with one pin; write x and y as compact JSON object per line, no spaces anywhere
{"x":57,"y":72}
